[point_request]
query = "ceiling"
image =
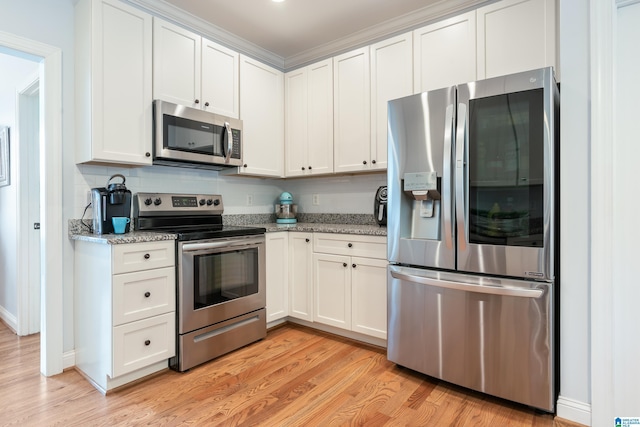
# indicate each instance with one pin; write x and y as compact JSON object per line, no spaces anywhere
{"x":294,"y":26}
{"x":298,"y":31}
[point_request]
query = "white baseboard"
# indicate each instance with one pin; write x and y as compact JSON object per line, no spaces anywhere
{"x":573,"y":410}
{"x":68,"y":359}
{"x":9,"y":319}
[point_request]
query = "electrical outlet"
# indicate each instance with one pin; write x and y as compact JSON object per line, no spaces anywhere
{"x":316,"y":199}
{"x":249,"y":200}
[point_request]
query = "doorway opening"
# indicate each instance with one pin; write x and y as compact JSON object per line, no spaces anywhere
{"x":49,"y":148}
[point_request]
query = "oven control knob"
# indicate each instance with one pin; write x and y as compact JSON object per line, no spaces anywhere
{"x":209,"y":202}
{"x":157,"y":202}
{"x":148,"y":201}
{"x":201,"y":202}
{"x":216,"y":202}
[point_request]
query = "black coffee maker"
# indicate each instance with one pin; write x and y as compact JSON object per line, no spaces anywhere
{"x":106,"y":203}
{"x":380,"y":205}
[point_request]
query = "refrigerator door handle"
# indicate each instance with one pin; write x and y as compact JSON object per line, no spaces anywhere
{"x":461,"y":143}
{"x":482,"y":289}
{"x":449,"y":129}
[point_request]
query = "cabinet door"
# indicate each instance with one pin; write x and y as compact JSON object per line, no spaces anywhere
{"x":277,"y":257}
{"x":220,"y":79}
{"x":369,"y":296}
{"x":332,"y":284}
{"x":320,"y":118}
{"x":297,"y":131}
{"x":445,"y":53}
{"x":300,"y":276}
{"x":514,"y":36}
{"x":113,"y":113}
{"x":262,"y":114}
{"x":176,"y":64}
{"x":352,"y":108}
{"x":391,"y":78}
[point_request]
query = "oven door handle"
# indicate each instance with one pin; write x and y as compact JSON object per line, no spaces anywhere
{"x":192,"y":247}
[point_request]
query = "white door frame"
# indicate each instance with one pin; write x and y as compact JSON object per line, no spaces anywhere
{"x":28,"y":247}
{"x":51,"y":243}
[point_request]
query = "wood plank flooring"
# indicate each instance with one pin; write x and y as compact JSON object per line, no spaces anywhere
{"x":295,"y":377}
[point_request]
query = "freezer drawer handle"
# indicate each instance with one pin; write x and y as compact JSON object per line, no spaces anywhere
{"x":483,"y":289}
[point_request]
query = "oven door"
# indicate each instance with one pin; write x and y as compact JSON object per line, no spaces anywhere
{"x":219,"y":279}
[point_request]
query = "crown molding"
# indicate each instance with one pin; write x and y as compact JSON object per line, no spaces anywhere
{"x":391,"y":27}
{"x":386,"y":29}
{"x":167,"y":11}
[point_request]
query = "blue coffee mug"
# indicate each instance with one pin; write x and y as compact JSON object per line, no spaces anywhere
{"x":120,"y":224}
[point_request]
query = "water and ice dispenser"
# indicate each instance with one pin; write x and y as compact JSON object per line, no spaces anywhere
{"x":423,"y":191}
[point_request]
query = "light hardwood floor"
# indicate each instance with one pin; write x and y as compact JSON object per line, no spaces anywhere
{"x":295,"y":377}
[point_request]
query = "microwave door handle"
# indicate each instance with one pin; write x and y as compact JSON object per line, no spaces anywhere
{"x":229,"y":148}
{"x":461,"y":143}
{"x":449,"y":129}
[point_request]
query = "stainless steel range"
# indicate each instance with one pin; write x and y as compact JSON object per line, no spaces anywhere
{"x":220,"y":272}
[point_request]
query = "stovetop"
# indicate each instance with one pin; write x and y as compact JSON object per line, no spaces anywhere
{"x":215,"y":233}
{"x":189,"y":216}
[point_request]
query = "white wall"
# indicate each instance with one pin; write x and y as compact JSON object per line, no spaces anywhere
{"x":575,"y":361}
{"x":13,"y":76}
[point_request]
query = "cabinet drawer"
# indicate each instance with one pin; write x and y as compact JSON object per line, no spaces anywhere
{"x":143,"y":294}
{"x":142,"y":343}
{"x":351,"y":244}
{"x":143,"y":256}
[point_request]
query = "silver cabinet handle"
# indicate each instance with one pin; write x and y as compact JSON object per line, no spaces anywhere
{"x":466,"y":287}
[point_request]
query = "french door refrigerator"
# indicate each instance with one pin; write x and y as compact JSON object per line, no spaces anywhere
{"x":472,"y":230}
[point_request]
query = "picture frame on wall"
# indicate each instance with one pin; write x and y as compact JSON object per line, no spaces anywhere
{"x":4,"y":156}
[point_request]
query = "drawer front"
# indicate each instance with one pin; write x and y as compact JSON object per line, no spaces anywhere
{"x":142,"y":343}
{"x":143,"y":294}
{"x":352,"y":245}
{"x":143,"y":256}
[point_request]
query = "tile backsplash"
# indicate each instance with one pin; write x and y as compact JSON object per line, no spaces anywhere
{"x":350,"y":194}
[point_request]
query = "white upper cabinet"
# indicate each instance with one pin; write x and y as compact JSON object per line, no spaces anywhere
{"x":391,"y":78}
{"x":309,"y":120}
{"x":176,"y":64}
{"x":193,"y":71}
{"x":113,"y":83}
{"x":352,"y":111}
{"x":445,"y":53}
{"x":221,"y":79}
{"x":262,"y":114}
{"x":516,"y":35}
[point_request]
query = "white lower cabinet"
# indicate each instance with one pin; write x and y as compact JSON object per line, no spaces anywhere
{"x":369,"y":296}
{"x":300,"y":275}
{"x":338,"y":280}
{"x":124,"y":310}
{"x":350,"y":282}
{"x":277,"y":257}
{"x":332,"y":279}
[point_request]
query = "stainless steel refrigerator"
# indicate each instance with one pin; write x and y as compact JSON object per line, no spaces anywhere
{"x":472,"y":228}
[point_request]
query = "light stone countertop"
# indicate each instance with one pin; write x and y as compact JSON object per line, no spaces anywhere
{"x":315,"y":227}
{"x":118,"y":239}
{"x":79,"y":232}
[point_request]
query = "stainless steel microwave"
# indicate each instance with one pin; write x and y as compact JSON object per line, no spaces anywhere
{"x":189,"y":137}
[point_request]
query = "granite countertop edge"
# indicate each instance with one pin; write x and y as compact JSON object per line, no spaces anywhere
{"x":78,"y":233}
